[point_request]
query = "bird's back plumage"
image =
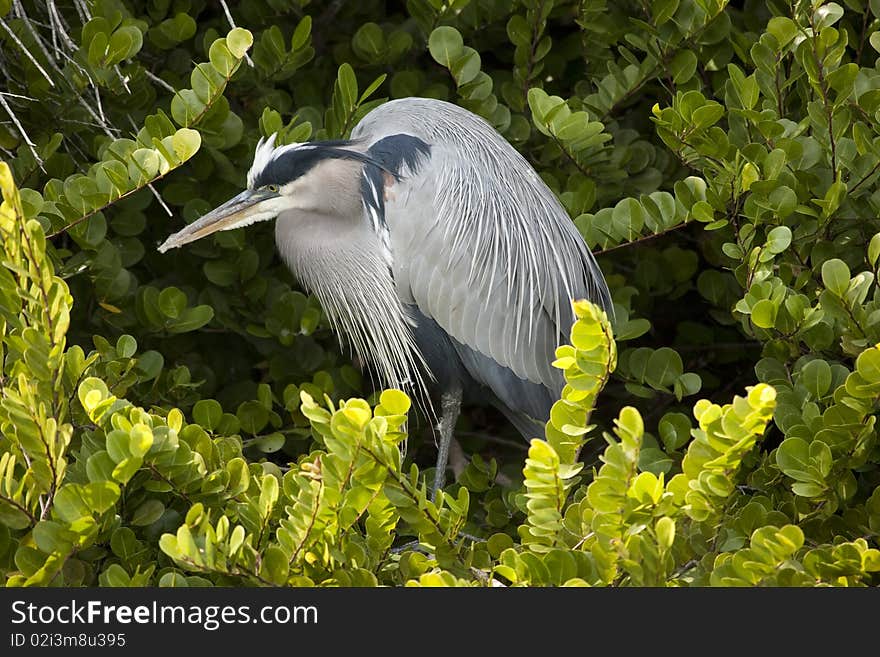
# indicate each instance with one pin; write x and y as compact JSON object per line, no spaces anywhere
{"x":481,"y":251}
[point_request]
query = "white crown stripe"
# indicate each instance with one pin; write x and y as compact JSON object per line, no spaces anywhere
{"x":266,"y":152}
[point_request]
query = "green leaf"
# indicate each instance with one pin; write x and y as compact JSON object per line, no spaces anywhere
{"x":140,"y":439}
{"x":369,"y":40}
{"x":518,"y":31}
{"x":115,"y":576}
{"x":394,"y":402}
{"x":445,"y":45}
{"x":100,"y":495}
{"x":793,"y":458}
{"x":764,"y":313}
{"x":124,"y":43}
{"x":827,"y":15}
{"x":665,"y":529}
{"x":683,"y":66}
{"x":69,"y":505}
{"x":53,"y":537}
{"x":663,"y":10}
{"x":148,"y":513}
{"x":208,"y":413}
{"x":816,"y":376}
{"x":172,"y":302}
{"x":253,"y":416}
{"x":348,"y":86}
{"x":663,"y":368}
{"x":239,"y":41}
{"x":687,"y":384}
{"x":675,"y":430}
{"x":835,"y":276}
{"x":126,"y":346}
{"x":778,"y":239}
{"x":191,"y":319}
{"x":186,"y":143}
{"x":874,"y":250}
{"x":13,"y":517}
{"x":784,"y":29}
{"x":268,"y":495}
{"x":270,"y":442}
{"x":274,"y":565}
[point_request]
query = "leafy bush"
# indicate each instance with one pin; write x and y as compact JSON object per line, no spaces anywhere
{"x":192,"y":420}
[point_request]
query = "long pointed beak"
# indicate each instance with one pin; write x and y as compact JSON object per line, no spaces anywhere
{"x":247,"y":208}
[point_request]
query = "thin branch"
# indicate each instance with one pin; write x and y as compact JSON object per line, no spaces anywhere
{"x":643,"y":239}
{"x":176,"y":489}
{"x":106,"y":128}
{"x":489,"y":438}
{"x":160,"y":82}
{"x":22,"y":132}
{"x":122,"y":78}
{"x":12,"y":95}
{"x":83,"y":11}
{"x":21,"y":508}
{"x":826,"y":103}
{"x":38,"y":39}
{"x":868,"y":175}
{"x":100,"y":107}
{"x":26,"y":51}
{"x":571,"y":158}
{"x":56,"y":19}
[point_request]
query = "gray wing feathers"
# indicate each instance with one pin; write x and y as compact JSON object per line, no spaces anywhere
{"x":491,"y":255}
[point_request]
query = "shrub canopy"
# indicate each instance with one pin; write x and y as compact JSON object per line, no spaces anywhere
{"x":190,"y":419}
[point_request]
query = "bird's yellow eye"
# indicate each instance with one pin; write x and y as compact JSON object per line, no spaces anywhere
{"x":272,"y":188}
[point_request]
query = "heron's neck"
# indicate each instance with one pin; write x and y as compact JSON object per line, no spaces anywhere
{"x":342,"y":265}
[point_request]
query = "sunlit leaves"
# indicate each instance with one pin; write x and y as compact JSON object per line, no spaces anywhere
{"x":725,"y":436}
{"x":587,"y":363}
{"x":33,"y":419}
{"x":547,"y":481}
{"x":207,"y":429}
{"x":209,"y":79}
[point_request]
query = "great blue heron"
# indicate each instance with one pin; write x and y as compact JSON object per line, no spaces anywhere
{"x":435,"y":248}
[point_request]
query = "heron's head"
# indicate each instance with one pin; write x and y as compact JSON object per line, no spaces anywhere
{"x":319,"y":178}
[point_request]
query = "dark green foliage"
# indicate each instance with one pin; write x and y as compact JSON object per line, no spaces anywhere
{"x":190,"y":419}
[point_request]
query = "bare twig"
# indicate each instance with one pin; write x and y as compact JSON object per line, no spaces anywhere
{"x":59,"y":28}
{"x":122,"y":78}
{"x":21,"y":130}
{"x":12,"y":95}
{"x":646,"y":238}
{"x":100,"y":107}
{"x":26,"y":51}
{"x":161,"y":202}
{"x":98,"y":118}
{"x":83,"y":10}
{"x":38,"y":39}
{"x":160,"y":82}
{"x":76,"y":64}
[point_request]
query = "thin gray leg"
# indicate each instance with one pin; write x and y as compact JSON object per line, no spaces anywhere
{"x":450,"y":404}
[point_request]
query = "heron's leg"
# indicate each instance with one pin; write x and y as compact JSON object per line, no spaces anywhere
{"x":450,"y":405}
